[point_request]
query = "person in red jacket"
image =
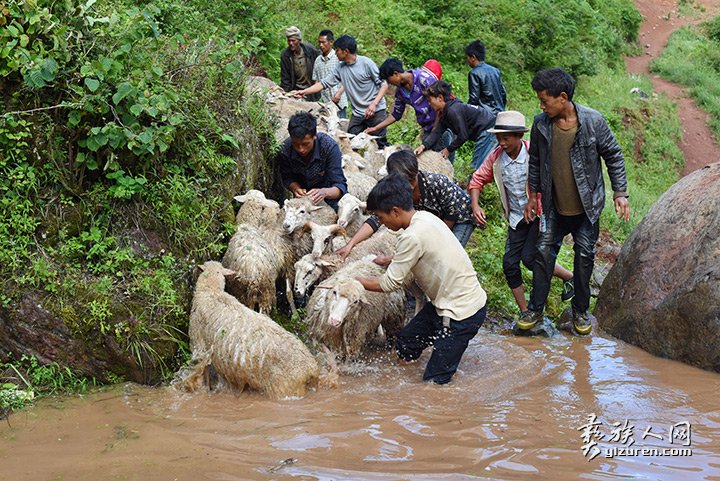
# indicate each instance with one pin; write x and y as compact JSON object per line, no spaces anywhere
{"x":507,"y":165}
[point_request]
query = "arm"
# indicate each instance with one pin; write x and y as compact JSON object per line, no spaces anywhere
{"x":611,"y":152}
{"x":457,"y":124}
{"x":334,"y":176}
{"x":435,"y":134}
{"x":364,"y":233}
{"x":407,"y":253}
{"x":289,"y":179}
{"x":390,"y":119}
{"x":338,"y":94}
{"x":478,"y":212}
{"x":313,"y":89}
{"x":370,"y":283}
{"x":473,"y":89}
{"x":370,"y":111}
{"x":531,"y":208}
{"x":285,"y":72}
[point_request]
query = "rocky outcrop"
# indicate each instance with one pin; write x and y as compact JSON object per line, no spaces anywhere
{"x":663,"y":294}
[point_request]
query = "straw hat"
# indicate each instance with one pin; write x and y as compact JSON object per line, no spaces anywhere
{"x":509,"y":121}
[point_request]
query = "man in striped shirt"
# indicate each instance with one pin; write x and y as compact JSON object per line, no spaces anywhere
{"x":325,"y":65}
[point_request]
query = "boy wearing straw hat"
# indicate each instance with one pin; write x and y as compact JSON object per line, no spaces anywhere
{"x":507,"y":165}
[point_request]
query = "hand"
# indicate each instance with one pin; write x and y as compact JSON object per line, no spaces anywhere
{"x":530,"y":210}
{"x":479,"y":215}
{"x":445,"y":152}
{"x":370,"y":111}
{"x":299,"y":192}
{"x":383,"y":261}
{"x":622,"y":208}
{"x":336,"y":98}
{"x":371,"y":130}
{"x":317,"y":195}
{"x":420,"y":150}
{"x":344,"y":251}
{"x":298,"y":94}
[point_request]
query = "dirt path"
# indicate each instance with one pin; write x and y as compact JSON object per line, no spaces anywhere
{"x":661,"y":18}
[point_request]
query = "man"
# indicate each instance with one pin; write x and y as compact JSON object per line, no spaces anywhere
{"x":429,"y":252}
{"x":310,"y":163}
{"x":486,"y":88}
{"x":566,"y":143}
{"x":410,"y":86}
{"x":325,"y":65}
{"x":363,"y":86}
{"x":296,"y":63}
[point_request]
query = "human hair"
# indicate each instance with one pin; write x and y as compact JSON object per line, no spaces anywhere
{"x":327,"y":34}
{"x":554,"y":81}
{"x":389,"y":67}
{"x":404,"y":163}
{"x":346,"y":42}
{"x":439,"y":89}
{"x":391,"y":191}
{"x":476,"y":49}
{"x":302,"y":124}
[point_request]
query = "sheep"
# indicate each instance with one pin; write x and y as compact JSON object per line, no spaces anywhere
{"x":351,"y":213}
{"x":344,"y":316}
{"x":310,"y":269}
{"x":244,"y":347}
{"x":362,"y":141}
{"x":300,"y":210}
{"x":256,"y":209}
{"x":352,"y":162}
{"x":429,"y":161}
{"x":359,"y":184}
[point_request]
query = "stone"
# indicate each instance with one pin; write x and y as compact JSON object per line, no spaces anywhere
{"x":544,"y":328}
{"x":663,"y":293}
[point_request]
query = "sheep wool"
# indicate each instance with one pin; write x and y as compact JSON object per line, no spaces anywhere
{"x":244,"y":347}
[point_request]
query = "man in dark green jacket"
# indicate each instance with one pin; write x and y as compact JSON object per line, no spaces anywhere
{"x":567,"y":142}
{"x":297,"y":62}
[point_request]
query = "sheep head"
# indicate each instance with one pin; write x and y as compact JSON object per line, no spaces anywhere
{"x":362,"y":141}
{"x":308,"y":270}
{"x":322,"y":236}
{"x":341,"y":298}
{"x":256,"y":208}
{"x":213,"y":275}
{"x":349,"y":209}
{"x":297,"y":213}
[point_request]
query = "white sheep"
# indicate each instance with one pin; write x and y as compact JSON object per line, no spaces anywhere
{"x":344,"y":316}
{"x":311,"y":269}
{"x":359,"y":184}
{"x":362,"y":141}
{"x":244,"y":347}
{"x":256,"y":209}
{"x":300,"y":210}
{"x":351,"y":213}
{"x":428,"y":161}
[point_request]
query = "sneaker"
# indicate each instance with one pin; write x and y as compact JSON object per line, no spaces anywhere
{"x":582,"y":323}
{"x":568,"y":290}
{"x":528,"y":319}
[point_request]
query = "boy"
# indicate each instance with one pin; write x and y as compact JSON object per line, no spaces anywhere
{"x":467,"y":122}
{"x":428,"y":251}
{"x":325,"y":64}
{"x":507,"y":165}
{"x":567,"y":142}
{"x":485,"y":87}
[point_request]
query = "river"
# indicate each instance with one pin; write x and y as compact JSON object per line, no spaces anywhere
{"x":519,"y":408}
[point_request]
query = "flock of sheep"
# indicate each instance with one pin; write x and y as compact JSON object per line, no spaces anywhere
{"x":231,"y":334}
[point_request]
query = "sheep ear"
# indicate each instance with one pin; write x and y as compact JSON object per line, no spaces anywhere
{"x":325,"y":262}
{"x":229,"y":273}
{"x":269,"y":203}
{"x":363,"y":205}
{"x":315,"y":207}
{"x":286,"y":202}
{"x":241,"y":198}
{"x":308,"y":226}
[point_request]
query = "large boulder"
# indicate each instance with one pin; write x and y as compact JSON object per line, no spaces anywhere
{"x":663,"y":294}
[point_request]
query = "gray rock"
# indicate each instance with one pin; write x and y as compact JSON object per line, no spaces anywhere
{"x":663,"y":293}
{"x":546,"y":328}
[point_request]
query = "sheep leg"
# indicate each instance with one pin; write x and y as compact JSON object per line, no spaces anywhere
{"x":291,"y":298}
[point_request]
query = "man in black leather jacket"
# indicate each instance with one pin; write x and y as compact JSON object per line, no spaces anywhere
{"x":567,"y":142}
{"x":296,"y":63}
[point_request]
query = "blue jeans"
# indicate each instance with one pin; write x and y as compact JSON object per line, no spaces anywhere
{"x":585,"y":235}
{"x":449,"y":343}
{"x":462,"y":231}
{"x":483,"y":146}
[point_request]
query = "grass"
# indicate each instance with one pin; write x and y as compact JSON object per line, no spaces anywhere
{"x":692,"y":58}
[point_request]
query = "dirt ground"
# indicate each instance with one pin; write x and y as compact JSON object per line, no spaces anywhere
{"x":661,"y":18}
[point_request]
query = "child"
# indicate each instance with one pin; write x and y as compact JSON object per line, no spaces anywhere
{"x":507,"y":164}
{"x":467,"y":122}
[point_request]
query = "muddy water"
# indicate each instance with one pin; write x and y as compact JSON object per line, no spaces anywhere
{"x":513,"y":412}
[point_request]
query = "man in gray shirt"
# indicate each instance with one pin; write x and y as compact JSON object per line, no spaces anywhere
{"x":363,"y":86}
